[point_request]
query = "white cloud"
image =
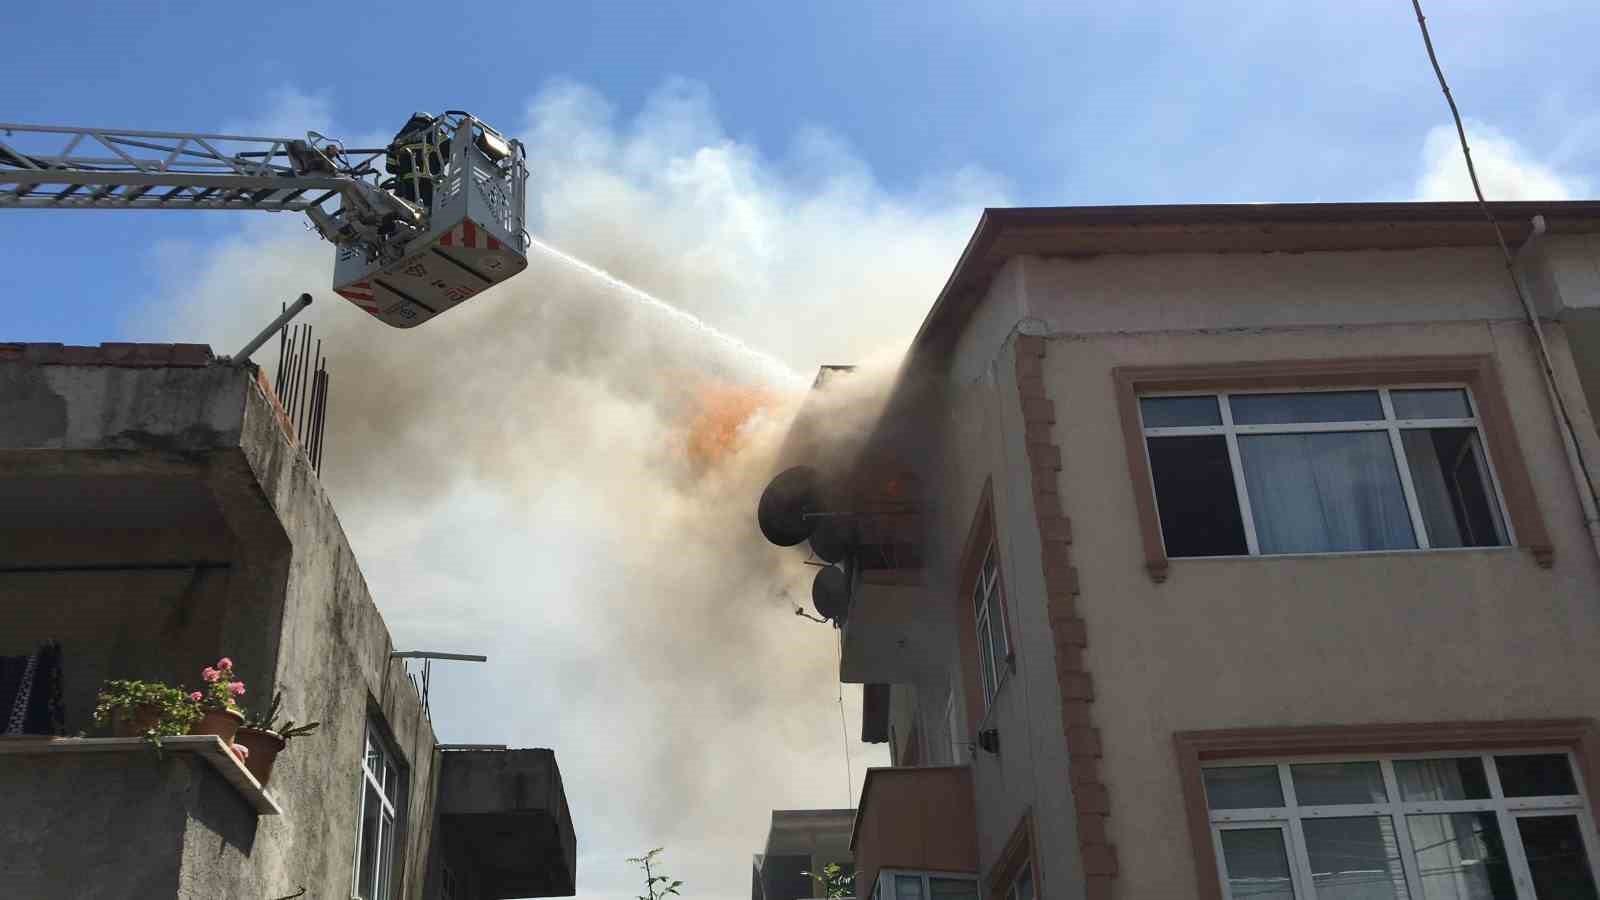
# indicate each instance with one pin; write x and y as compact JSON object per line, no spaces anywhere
{"x":1505,"y":170}
{"x":289,"y":112}
{"x":514,"y":474}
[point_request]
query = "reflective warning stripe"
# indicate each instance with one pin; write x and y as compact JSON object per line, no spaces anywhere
{"x":469,"y":236}
{"x":359,"y":293}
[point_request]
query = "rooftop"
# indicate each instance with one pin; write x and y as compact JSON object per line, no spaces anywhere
{"x":1082,"y":231}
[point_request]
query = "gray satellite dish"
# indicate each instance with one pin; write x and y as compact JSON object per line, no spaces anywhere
{"x":782,"y":512}
{"x":830,"y":593}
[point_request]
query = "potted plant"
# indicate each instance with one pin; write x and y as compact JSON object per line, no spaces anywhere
{"x":218,"y":702}
{"x":144,"y":709}
{"x":263,"y":736}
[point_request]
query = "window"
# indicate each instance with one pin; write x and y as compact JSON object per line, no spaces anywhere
{"x":902,"y":885}
{"x":993,"y":650}
{"x":381,"y":793}
{"x":1261,"y":473}
{"x":1022,"y":886}
{"x":1489,"y":826}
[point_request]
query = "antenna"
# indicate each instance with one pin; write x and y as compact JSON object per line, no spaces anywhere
{"x":427,"y":657}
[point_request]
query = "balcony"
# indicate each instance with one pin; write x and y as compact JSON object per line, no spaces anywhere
{"x":895,"y":631}
{"x":504,"y":817}
{"x":915,"y":819}
{"x":134,"y":529}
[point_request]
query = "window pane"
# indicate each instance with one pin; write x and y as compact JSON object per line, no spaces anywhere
{"x":1325,"y":406}
{"x":999,"y":648}
{"x":1539,"y":775}
{"x":1461,"y":856}
{"x":1329,"y":492}
{"x":985,"y":660}
{"x":1554,"y":845}
{"x":1022,"y":889}
{"x":952,"y":889}
{"x":1355,"y":859}
{"x":1195,"y":496}
{"x":1257,"y":866}
{"x":1451,"y":476}
{"x":1243,"y":787}
{"x":385,"y":855}
{"x":1322,"y":784}
{"x":991,"y":566}
{"x":367,"y":856}
{"x":391,"y":783}
{"x":1171,"y":412}
{"x":1445,"y":404}
{"x":1441,"y":779}
{"x":908,"y":887}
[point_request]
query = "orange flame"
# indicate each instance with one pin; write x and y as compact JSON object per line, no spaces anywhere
{"x":716,"y":431}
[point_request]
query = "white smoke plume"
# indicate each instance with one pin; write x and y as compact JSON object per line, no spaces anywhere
{"x":561,"y":477}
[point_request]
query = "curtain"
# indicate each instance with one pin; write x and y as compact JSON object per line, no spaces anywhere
{"x":1323,"y":492}
{"x":30,"y":692}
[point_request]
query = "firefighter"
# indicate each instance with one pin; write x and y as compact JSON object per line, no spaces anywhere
{"x":414,"y":160}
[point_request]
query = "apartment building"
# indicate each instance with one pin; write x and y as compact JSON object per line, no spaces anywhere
{"x":1229,"y":551}
{"x":157,"y":512}
{"x":800,"y":845}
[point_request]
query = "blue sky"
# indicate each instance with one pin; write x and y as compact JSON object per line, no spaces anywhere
{"x":1065,"y":103}
{"x":799,"y":175}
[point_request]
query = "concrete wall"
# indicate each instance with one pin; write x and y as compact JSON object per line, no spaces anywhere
{"x":104,"y":827}
{"x":103,"y":408}
{"x":1474,"y":634}
{"x":333,"y":665}
{"x":982,"y":439}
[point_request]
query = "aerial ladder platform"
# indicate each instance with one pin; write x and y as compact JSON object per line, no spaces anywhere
{"x":441,"y":222}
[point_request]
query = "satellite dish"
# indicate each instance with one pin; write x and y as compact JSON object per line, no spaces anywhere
{"x":833,"y":538}
{"x":785,"y":503}
{"x":830,"y":593}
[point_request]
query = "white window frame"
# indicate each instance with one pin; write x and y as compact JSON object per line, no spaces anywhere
{"x":1389,"y":423}
{"x":884,"y":887}
{"x":1507,"y":810}
{"x":389,"y":819}
{"x":1026,"y":871}
{"x":989,"y":612}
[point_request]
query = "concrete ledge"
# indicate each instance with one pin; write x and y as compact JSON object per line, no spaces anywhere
{"x":509,"y":810}
{"x":207,"y":746}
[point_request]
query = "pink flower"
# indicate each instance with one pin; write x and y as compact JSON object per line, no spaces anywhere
{"x":241,"y":751}
{"x":210,"y":674}
{"x":224,"y":663}
{"x":197,"y":696}
{"x":236,"y":688}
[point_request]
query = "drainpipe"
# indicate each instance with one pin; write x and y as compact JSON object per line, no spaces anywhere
{"x":1569,"y":433}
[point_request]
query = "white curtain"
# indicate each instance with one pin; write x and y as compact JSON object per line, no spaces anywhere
{"x":1325,"y":492}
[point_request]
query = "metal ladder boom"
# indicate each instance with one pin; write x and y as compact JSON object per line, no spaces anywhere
{"x":52,"y":167}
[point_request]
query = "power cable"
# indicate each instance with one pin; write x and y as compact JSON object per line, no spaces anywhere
{"x":1505,"y":251}
{"x":844,"y":732}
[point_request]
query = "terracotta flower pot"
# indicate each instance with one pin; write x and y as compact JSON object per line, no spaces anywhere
{"x":135,"y":721}
{"x":264,"y":747}
{"x":223,"y":723}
